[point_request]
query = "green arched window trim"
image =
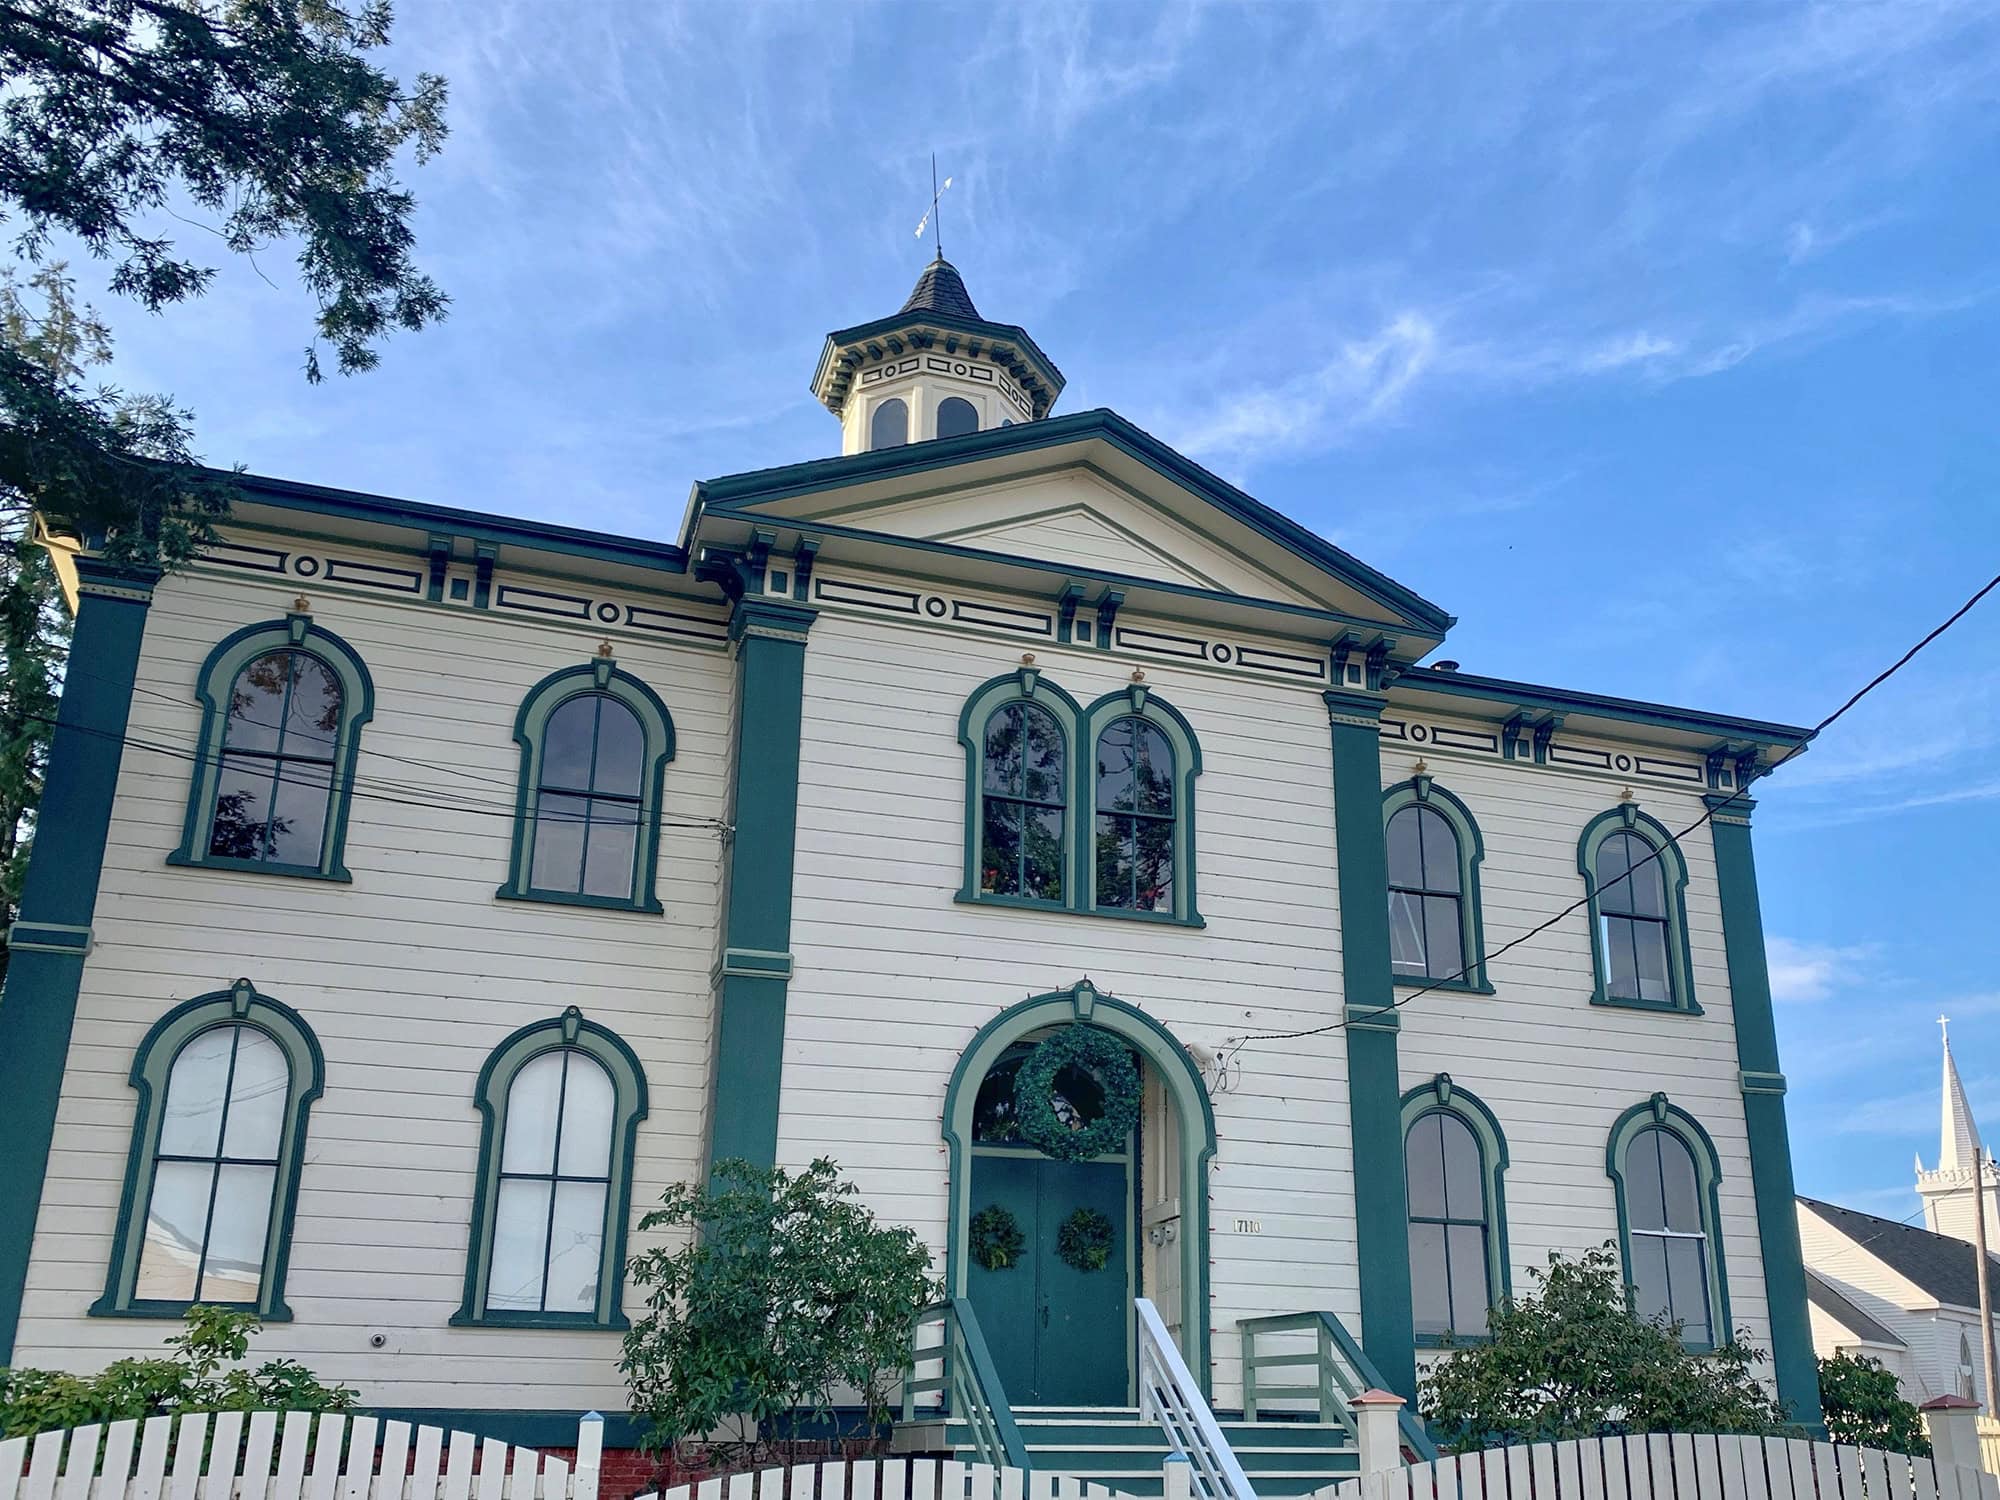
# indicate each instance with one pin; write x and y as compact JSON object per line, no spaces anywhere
{"x":628,"y":1082}
{"x":1424,"y":791}
{"x":1080,"y":728}
{"x":599,"y":675}
{"x":1442,"y":1096}
{"x":240,"y":1004}
{"x":1658,"y":1111}
{"x":1626,"y":818}
{"x":296,"y":632}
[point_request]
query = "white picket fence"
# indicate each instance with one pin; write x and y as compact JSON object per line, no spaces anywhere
{"x":894,"y":1479}
{"x":1677,"y":1466}
{"x":331,"y":1457}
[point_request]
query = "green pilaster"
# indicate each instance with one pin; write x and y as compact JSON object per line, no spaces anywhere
{"x":52,"y":937}
{"x":1374,"y":1087}
{"x":756,"y":967}
{"x":1763,"y":1086}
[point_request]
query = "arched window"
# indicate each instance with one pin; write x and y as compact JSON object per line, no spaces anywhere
{"x":1666,"y":1173}
{"x":283,"y":705}
{"x":595,"y":743}
{"x":1636,"y":882}
{"x":562,"y":1101}
{"x":1434,"y":850}
{"x":1966,"y":1379}
{"x":1144,"y":759}
{"x":1454,"y":1164}
{"x":1020,"y":807}
{"x":956,"y":417}
{"x":889,"y":424}
{"x":225,"y":1084}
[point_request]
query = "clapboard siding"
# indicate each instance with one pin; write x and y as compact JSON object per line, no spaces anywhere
{"x":408,"y":977}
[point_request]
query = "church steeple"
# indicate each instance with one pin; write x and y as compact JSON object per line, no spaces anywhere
{"x":935,"y":368}
{"x":1948,"y":1191}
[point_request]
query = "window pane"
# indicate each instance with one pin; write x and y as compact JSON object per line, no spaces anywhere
{"x":236,"y":1233}
{"x":1621,"y":979}
{"x":520,"y":1244}
{"x":175,"y":1216}
{"x":1649,"y":948}
{"x":566,"y":743}
{"x":1687,"y":1274}
{"x":613,"y":850}
{"x":1155,"y":873}
{"x":1647,"y":882}
{"x":576,"y":1248}
{"x":1645,"y":1208}
{"x":242,"y":808}
{"x":1154,"y":784}
{"x":558,"y":862}
{"x":191,"y":1122}
{"x":1464,"y":1192}
{"x":957,"y":417}
{"x":1114,"y":861}
{"x":258,"y":1096}
{"x":312,"y":723}
{"x":1043,"y":761}
{"x":1423,"y":1167}
{"x":621,"y":749}
{"x":257,"y":704}
{"x":530,"y":1143}
{"x":1430,"y":1287}
{"x":1406,"y":932}
{"x":1677,"y":1174}
{"x":1470,"y":1295}
{"x":1117,"y":766}
{"x":1443,"y":940}
{"x":993,"y":1113}
{"x":889,"y":427}
{"x":1404,"y":838}
{"x":586,"y":1119}
{"x":1006,"y":750}
{"x":1042,"y":875}
{"x":298,"y":825}
{"x":1440,"y":843}
{"x":1000,"y":849}
{"x":1649,"y":1276}
{"x":1614,"y":890}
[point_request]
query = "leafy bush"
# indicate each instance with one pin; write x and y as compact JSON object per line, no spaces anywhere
{"x":1571,"y":1359}
{"x":191,"y":1378}
{"x":779,"y":1292}
{"x":1864,"y":1405}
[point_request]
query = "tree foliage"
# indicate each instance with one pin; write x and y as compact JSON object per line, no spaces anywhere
{"x":777,"y":1294}
{"x":1570,"y":1359}
{"x":1863,"y":1405}
{"x":202,"y":1373}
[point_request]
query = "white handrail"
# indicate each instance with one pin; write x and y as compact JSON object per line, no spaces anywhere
{"x":1168,"y":1394}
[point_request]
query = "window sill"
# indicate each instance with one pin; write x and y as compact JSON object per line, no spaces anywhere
{"x":1451,"y":986}
{"x":568,"y":898}
{"x":337,"y":875}
{"x":104,"y":1307}
{"x":1666,"y":1007}
{"x":1057,"y":908}
{"x":576,"y":1322}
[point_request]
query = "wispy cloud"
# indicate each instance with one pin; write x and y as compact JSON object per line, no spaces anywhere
{"x":1813,"y":971}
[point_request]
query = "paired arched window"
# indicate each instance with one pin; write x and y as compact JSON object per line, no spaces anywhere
{"x":1666,"y":1173}
{"x":562,"y":1101}
{"x":1636,"y":882}
{"x":225,"y":1084}
{"x":1434,"y":850}
{"x":595,"y":743}
{"x":283,"y":704}
{"x":1454,"y":1165}
{"x":956,"y":417}
{"x":1108,"y":828}
{"x":889,"y":424}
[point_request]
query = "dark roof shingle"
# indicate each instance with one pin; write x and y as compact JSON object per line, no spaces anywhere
{"x":941,"y":290}
{"x":1941,"y":1266}
{"x":1823,"y":1295}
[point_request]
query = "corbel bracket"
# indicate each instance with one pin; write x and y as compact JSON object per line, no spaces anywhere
{"x":802,"y":568}
{"x":1545,"y":731}
{"x":440,"y":550}
{"x":1107,"y":612}
{"x":1066,"y":603}
{"x":1343,"y":648}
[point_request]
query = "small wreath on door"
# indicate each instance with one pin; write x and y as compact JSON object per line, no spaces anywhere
{"x":1106,"y":1060}
{"x":996,"y":1238}
{"x":1085,"y":1240}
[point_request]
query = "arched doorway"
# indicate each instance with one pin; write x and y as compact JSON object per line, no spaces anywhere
{"x":1061,"y":1336}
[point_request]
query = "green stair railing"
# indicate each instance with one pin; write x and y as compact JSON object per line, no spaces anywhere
{"x":966,"y":1380}
{"x":1319,"y":1342}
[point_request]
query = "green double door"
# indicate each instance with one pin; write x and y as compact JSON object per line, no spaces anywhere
{"x":1058,"y":1335}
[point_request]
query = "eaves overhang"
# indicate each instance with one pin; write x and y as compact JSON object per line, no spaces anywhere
{"x":850,"y":350}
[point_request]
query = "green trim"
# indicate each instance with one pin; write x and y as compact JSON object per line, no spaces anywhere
{"x":1512,"y":697}
{"x":1023,"y":685}
{"x":38,"y":1009}
{"x":568,"y":1031}
{"x":1792,"y":1360}
{"x":1442,"y":1096}
{"x":48,"y":937}
{"x":1139,"y":702}
{"x":1374,"y":1087}
{"x":1626,"y":818}
{"x":1657,"y":1111}
{"x":152,"y":1067}
{"x":1423,"y":791}
{"x":1178,"y":1075}
{"x":297,"y":632}
{"x":599,"y":676}
{"x":833,"y":385}
{"x":756,"y":963}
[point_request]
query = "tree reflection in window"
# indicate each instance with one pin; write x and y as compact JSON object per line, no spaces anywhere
{"x":587,"y":806}
{"x":1135,"y":817}
{"x":1021,"y":826}
{"x":276,"y":775}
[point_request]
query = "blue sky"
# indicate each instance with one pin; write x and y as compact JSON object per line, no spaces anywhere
{"x":1659,"y":343}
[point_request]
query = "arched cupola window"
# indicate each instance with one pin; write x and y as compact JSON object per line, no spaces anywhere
{"x":283,"y":704}
{"x":1144,"y":761}
{"x":1636,"y":880}
{"x":1435,"y":929}
{"x":1666,"y":1172}
{"x":1455,"y":1166}
{"x":889,"y":424}
{"x":1021,"y":815}
{"x":561,"y":1102}
{"x":595,"y":742}
{"x":956,"y":417}
{"x":225,"y":1084}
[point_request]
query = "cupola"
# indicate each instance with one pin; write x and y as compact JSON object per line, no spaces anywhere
{"x":936,"y":369}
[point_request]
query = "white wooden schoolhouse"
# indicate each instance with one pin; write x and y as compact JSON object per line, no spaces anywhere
{"x":1076,"y":850}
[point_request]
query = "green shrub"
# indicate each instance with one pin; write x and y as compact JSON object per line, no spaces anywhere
{"x":1863,"y":1405}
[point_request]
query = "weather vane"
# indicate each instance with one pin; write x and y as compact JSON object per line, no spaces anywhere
{"x":932,"y":220}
